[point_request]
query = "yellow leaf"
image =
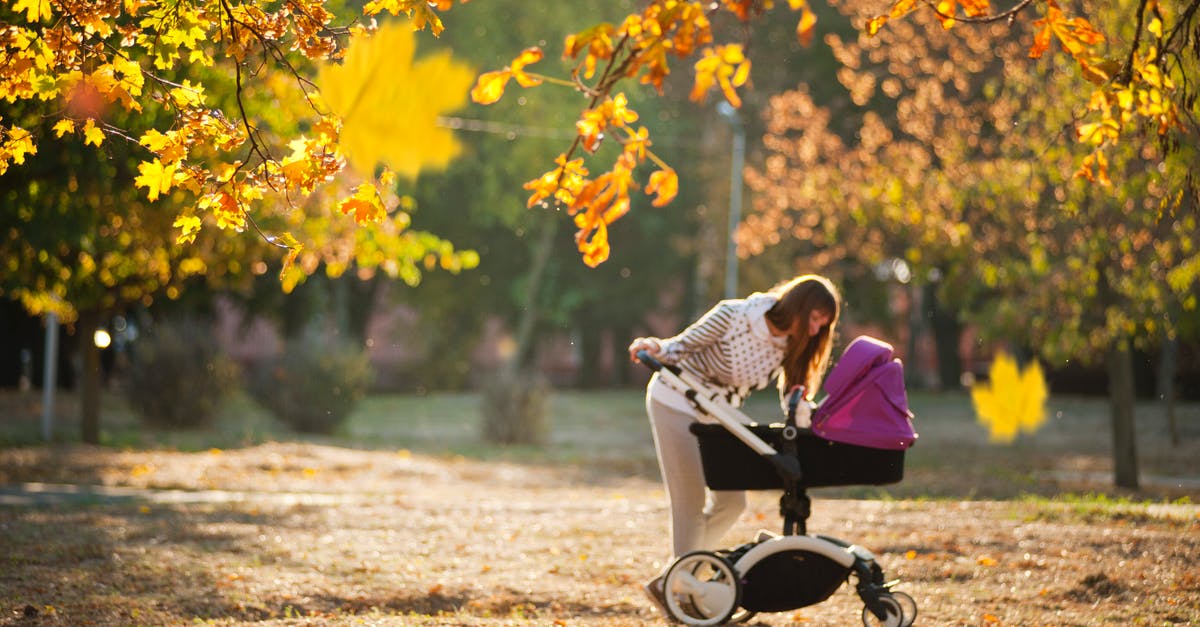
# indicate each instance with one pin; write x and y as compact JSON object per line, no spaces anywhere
{"x":875,"y":24}
{"x":62,"y":127}
{"x":364,"y":205}
{"x":155,"y":177}
{"x":390,"y":102}
{"x":666,"y":184}
{"x":188,"y":227}
{"x":92,"y":134}
{"x":490,"y":87}
{"x":1012,"y":400}
{"x":34,"y":10}
{"x":19,"y":144}
{"x":806,"y":26}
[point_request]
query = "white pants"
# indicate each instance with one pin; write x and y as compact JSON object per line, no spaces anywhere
{"x":699,"y":516}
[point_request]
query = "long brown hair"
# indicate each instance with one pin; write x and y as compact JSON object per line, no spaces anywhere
{"x":806,"y":357}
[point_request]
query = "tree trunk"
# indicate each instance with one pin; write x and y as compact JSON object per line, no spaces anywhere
{"x":1120,"y":394}
{"x":947,"y":332}
{"x":1168,"y":366}
{"x":90,"y":402}
{"x":515,"y":400}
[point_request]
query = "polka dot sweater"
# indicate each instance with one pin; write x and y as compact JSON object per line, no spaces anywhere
{"x":730,"y":347}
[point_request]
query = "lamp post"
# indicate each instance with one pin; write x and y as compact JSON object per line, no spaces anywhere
{"x":735,"y":194}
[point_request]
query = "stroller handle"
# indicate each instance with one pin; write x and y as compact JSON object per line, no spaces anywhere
{"x":649,"y":360}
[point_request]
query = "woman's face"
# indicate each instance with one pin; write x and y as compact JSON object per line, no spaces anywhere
{"x":816,"y":320}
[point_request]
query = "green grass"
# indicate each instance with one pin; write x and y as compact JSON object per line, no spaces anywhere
{"x":606,"y":432}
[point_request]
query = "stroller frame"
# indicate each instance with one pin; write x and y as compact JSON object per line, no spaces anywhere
{"x":773,"y":572}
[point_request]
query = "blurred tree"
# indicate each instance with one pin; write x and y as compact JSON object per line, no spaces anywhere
{"x":972,"y":180}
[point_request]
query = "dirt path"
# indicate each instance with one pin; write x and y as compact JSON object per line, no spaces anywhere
{"x":304,"y":534}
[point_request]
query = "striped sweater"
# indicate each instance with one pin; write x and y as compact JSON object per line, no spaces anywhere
{"x":730,"y":347}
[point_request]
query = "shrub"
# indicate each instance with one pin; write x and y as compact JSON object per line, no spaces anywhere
{"x":515,"y":408}
{"x":315,"y":384}
{"x":178,"y":377}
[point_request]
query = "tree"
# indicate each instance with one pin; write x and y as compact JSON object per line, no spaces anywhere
{"x":84,"y":242}
{"x":149,"y":74}
{"x":976,"y":184}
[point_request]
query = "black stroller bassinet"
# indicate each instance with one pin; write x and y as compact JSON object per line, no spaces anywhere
{"x":776,"y":573}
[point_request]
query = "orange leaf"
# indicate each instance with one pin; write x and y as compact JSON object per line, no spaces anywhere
{"x":595,"y":249}
{"x":902,"y":8}
{"x":666,"y":184}
{"x":875,"y":24}
{"x":528,"y":56}
{"x":805,"y":28}
{"x":945,"y":13}
{"x":364,"y":204}
{"x":976,"y":8}
{"x":490,"y":87}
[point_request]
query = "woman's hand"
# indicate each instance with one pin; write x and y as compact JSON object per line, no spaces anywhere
{"x":648,"y":344}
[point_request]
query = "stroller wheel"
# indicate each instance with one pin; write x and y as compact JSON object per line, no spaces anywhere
{"x":893,"y":614}
{"x":702,"y":588}
{"x":908,"y":607}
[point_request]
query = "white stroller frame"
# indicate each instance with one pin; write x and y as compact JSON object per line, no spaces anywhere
{"x":705,"y":588}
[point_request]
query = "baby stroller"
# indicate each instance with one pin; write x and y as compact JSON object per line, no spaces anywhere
{"x":858,"y":435}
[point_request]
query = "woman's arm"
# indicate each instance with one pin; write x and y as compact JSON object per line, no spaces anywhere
{"x":709,"y":329}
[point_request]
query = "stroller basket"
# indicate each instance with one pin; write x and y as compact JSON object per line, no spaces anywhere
{"x":731,"y":465}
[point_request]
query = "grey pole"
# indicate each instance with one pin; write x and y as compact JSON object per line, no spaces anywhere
{"x":49,"y":376}
{"x":735,"y":195}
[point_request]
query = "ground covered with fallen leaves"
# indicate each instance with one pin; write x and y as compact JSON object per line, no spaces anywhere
{"x":310,"y":534}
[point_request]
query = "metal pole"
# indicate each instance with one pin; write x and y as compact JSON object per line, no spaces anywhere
{"x":735,"y":196}
{"x":49,"y":376}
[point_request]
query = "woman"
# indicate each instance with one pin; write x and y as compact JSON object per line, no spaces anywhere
{"x":737,"y":347}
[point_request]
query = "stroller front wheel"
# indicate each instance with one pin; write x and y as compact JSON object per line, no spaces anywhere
{"x":702,"y":588}
{"x":893,"y":614}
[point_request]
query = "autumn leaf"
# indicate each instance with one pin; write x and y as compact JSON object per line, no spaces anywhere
{"x":489,"y":88}
{"x":664,"y":183}
{"x":390,"y":102}
{"x":726,"y":67}
{"x":64,"y":126}
{"x":1012,"y":401}
{"x":188,"y":227}
{"x":156,"y":177}
{"x":364,"y":205}
{"x":92,"y":134}
{"x":34,"y":10}
{"x":806,"y":26}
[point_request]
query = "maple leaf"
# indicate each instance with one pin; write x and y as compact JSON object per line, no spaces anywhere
{"x":92,"y":134}
{"x":34,"y":10}
{"x":188,"y":227}
{"x":62,"y":127}
{"x":364,"y":205}
{"x":1013,"y":400}
{"x":156,"y":177}
{"x":19,"y":144}
{"x":389,"y":103}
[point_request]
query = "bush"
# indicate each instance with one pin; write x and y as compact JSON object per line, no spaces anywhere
{"x":315,"y":384}
{"x":515,"y":408}
{"x":178,"y":378}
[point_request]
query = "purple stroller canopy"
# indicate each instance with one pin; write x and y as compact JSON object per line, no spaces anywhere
{"x":865,"y":401}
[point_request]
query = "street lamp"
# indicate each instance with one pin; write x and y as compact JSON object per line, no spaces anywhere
{"x":730,"y":114}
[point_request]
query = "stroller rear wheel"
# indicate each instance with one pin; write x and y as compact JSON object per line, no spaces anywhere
{"x":702,"y":589}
